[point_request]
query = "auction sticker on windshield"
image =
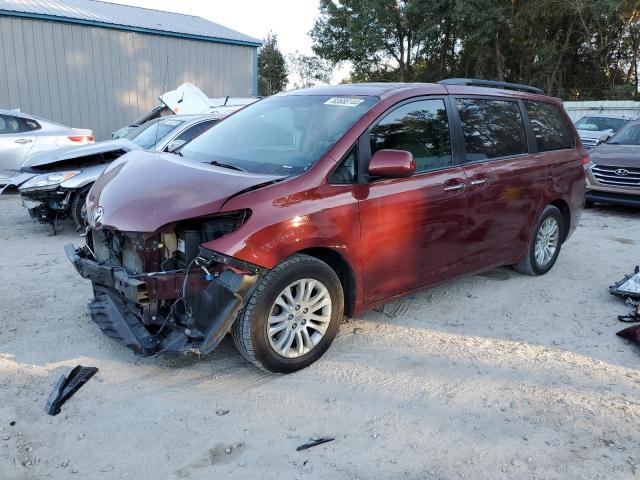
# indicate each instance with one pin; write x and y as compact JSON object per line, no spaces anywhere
{"x":344,"y":102}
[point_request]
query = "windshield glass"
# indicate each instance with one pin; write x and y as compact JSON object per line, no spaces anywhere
{"x":147,"y":135}
{"x":279,"y":135}
{"x":599,"y":124}
{"x":629,"y":135}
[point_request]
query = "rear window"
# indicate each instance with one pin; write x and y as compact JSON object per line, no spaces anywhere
{"x":599,"y":124}
{"x":491,"y":128}
{"x":549,"y":126}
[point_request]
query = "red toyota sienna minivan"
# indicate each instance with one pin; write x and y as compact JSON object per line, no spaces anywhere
{"x":317,"y":203}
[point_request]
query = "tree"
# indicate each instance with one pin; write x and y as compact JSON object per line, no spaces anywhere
{"x":310,"y":69}
{"x":375,"y":35}
{"x":570,"y":48}
{"x":272,"y":68}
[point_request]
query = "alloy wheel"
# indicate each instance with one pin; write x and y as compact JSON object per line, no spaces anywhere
{"x":299,"y":318}
{"x":547,"y":241}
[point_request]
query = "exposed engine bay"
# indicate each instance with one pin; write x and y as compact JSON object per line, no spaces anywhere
{"x":164,"y":292}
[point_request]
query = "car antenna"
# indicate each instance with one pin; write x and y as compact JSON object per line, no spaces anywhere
{"x":164,"y":84}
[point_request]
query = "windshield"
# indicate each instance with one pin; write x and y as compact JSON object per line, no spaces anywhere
{"x":629,"y":135}
{"x":147,"y":135}
{"x":599,"y":124}
{"x":279,"y":135}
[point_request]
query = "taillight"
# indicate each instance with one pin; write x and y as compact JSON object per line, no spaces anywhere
{"x":81,"y":138}
{"x":585,"y":160}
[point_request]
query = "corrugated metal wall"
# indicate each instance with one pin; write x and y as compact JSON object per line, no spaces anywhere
{"x":577,"y":110}
{"x":103,"y":79}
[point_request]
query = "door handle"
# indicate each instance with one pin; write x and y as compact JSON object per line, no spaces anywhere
{"x":451,"y":188}
{"x":22,"y":141}
{"x":478,"y":182}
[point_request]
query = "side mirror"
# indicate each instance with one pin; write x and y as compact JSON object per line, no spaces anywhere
{"x":604,"y":137}
{"x":392,"y":164}
{"x":174,"y":145}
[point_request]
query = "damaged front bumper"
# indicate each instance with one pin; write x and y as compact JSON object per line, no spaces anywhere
{"x":48,"y":204}
{"x":203,"y":306}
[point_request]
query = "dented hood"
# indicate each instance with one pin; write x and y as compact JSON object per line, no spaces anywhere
{"x":142,"y":191}
{"x":61,"y":156}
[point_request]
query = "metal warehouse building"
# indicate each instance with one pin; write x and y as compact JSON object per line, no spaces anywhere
{"x":99,"y":65}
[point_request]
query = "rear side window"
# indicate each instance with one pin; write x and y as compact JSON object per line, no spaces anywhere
{"x":549,"y":126}
{"x":9,"y":124}
{"x":29,"y":125}
{"x":491,"y":128}
{"x":421,"y":128}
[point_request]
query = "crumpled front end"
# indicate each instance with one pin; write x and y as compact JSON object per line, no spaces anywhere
{"x":163,"y":293}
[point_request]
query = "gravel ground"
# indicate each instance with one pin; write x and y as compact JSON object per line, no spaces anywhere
{"x":498,"y":376}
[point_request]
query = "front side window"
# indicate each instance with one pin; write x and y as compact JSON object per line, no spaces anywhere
{"x":281,"y":135}
{"x":491,"y":128}
{"x":549,"y":126}
{"x":9,"y":124}
{"x":421,"y":128}
{"x":346,"y":172}
{"x":629,"y":135}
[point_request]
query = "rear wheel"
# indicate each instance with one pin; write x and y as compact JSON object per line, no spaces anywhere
{"x":545,"y":244}
{"x":292,"y":316}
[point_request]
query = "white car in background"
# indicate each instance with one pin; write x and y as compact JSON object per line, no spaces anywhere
{"x":22,"y":135}
{"x":596,"y":129}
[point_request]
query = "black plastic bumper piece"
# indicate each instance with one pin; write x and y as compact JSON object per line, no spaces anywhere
{"x":620,"y":199}
{"x":67,"y":386}
{"x":118,"y":320}
{"x":115,"y":309}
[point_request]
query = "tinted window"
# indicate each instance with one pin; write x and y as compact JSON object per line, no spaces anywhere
{"x":549,"y":126}
{"x":492,"y":128}
{"x":346,"y":171}
{"x":29,"y":125}
{"x":9,"y":124}
{"x":195,"y":130}
{"x":421,"y":128}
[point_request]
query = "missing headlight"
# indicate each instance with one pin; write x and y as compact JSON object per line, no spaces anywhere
{"x":192,"y":233}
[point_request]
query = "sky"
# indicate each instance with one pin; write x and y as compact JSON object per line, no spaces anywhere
{"x":291,"y":20}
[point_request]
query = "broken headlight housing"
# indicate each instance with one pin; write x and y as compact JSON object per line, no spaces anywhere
{"x":182,"y":246}
{"x":49,"y":179}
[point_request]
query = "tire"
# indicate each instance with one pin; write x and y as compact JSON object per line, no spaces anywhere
{"x":530,"y":265}
{"x":78,"y":211}
{"x":250,"y":328}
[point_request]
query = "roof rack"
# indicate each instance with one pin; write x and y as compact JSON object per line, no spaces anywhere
{"x":473,"y":82}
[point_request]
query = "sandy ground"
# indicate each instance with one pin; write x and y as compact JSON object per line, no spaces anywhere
{"x":498,"y":376}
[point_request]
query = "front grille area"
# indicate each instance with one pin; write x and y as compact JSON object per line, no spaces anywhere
{"x":616,"y":176}
{"x":116,"y":249}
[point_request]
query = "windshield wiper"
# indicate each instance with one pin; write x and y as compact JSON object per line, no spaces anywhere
{"x":226,"y":165}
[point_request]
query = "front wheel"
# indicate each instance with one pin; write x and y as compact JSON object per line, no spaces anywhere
{"x":292,"y":316}
{"x":545,"y":244}
{"x":78,"y":209}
